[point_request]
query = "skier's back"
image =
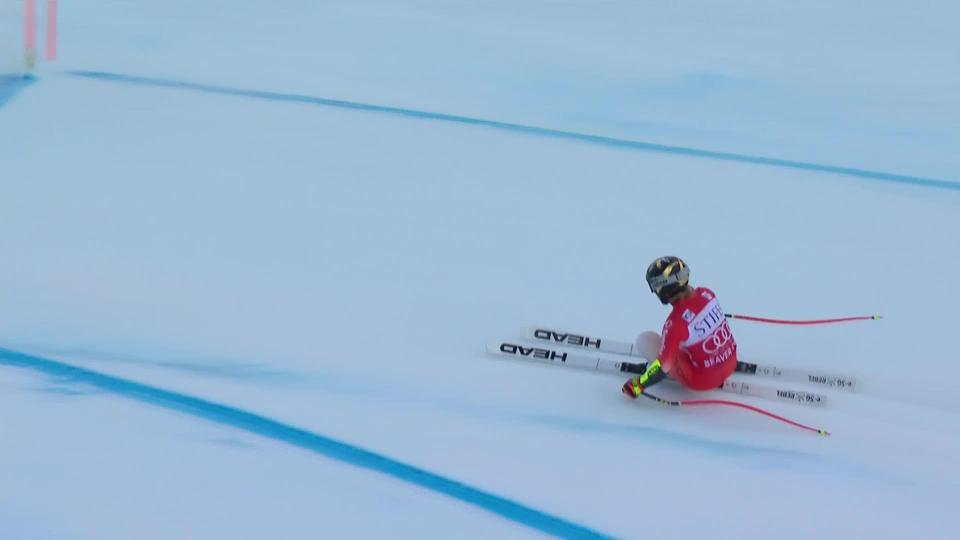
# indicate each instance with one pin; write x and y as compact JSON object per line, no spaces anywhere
{"x":696,"y":347}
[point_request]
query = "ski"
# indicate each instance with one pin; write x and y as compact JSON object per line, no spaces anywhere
{"x":582,"y":341}
{"x":589,"y":362}
{"x":777,"y":394}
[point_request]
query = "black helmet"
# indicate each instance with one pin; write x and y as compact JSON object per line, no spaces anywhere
{"x":667,"y":277}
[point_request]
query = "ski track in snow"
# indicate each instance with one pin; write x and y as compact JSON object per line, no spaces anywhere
{"x":519,"y":128}
{"x":830,"y":480}
{"x":11,"y":85}
{"x":320,"y":444}
{"x":753,"y":455}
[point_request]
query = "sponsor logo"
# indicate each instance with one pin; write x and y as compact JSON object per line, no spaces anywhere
{"x":768,"y":371}
{"x":706,"y":295}
{"x":801,"y":397}
{"x":724,"y":355}
{"x":571,"y":339}
{"x":736,"y":386}
{"x":688,"y":315}
{"x":830,"y":381}
{"x":536,"y":352}
{"x":718,"y":340}
{"x":707,"y":322}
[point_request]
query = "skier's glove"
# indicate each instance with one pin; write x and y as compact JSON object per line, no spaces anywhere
{"x":635,"y":386}
{"x":632,"y":388}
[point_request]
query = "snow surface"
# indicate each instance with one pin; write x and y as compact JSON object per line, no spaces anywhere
{"x":12,"y":54}
{"x":339,"y":270}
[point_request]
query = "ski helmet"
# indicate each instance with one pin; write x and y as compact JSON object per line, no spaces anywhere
{"x":667,"y":277}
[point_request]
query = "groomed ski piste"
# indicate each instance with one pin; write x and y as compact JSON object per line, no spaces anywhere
{"x":253,"y":251}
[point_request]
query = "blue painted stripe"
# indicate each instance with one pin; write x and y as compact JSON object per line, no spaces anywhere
{"x":529,"y":130}
{"x":331,"y":448}
{"x":11,"y":85}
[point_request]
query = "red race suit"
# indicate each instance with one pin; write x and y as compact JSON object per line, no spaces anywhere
{"x":697,"y":348}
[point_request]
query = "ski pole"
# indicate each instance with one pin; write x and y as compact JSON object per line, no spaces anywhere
{"x":817,"y":321}
{"x":694,"y":402}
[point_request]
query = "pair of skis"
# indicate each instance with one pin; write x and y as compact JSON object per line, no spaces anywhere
{"x":558,"y":347}
{"x":547,"y":339}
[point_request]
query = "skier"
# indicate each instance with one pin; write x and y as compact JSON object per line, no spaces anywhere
{"x":696,"y":347}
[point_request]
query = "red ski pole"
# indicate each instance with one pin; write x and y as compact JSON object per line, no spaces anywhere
{"x":694,"y":402}
{"x":816,"y":321}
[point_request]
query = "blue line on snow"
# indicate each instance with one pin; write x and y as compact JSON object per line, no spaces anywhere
{"x":331,"y":448}
{"x":529,"y":130}
{"x":11,"y":85}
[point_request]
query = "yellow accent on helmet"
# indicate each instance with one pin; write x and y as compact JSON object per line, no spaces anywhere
{"x":667,"y":275}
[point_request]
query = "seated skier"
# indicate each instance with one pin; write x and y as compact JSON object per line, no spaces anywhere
{"x":696,"y":347}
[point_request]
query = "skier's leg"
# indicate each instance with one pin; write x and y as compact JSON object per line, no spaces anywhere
{"x":703,"y":379}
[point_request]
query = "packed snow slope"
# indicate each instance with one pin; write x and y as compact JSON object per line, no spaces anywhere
{"x":318,"y":213}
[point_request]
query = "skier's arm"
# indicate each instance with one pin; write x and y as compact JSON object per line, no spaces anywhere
{"x":654,"y":374}
{"x":663,"y":364}
{"x":658,"y":369}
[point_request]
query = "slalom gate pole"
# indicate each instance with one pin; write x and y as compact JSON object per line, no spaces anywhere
{"x":30,"y":32}
{"x":817,"y":321}
{"x":51,"y":13}
{"x":694,"y":402}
